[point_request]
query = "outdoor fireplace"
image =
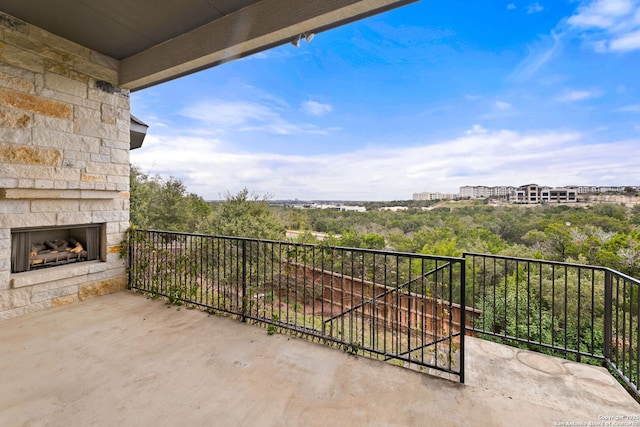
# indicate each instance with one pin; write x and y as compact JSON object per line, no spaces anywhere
{"x":43,"y":247}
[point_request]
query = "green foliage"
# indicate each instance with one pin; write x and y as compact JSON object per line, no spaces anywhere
{"x":307,"y":237}
{"x":542,"y":305}
{"x":609,"y":210}
{"x":295,"y":219}
{"x":554,"y":241}
{"x":353,"y":239}
{"x":244,"y":215}
{"x":164,"y":204}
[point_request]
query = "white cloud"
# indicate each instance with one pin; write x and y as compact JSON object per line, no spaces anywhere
{"x":534,"y":8}
{"x":498,"y":110}
{"x":608,"y":25}
{"x":501,"y":105}
{"x":603,"y":14}
{"x":570,"y":95}
{"x":633,"y":108}
{"x":155,"y":121}
{"x":267,"y":116}
{"x":476,"y":129}
{"x":511,"y":6}
{"x":478,"y":157}
{"x":228,"y":113}
{"x":316,"y":108}
{"x":626,"y":42}
{"x":539,"y":54}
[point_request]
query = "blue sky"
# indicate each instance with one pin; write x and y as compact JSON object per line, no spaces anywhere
{"x":428,"y":97}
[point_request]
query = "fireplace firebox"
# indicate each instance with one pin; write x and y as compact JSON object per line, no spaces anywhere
{"x":43,"y":247}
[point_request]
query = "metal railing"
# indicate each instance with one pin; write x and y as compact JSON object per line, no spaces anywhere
{"x":568,"y":310}
{"x":404,"y":308}
{"x":407,"y":309}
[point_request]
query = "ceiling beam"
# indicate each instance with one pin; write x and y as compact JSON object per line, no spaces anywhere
{"x":258,"y":27}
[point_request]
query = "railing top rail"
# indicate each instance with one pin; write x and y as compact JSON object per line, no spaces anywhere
{"x":623,"y":276}
{"x":311,"y":245}
{"x":543,"y":261}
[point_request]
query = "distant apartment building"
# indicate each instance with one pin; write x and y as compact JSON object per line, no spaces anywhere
{"x":611,"y":189}
{"x":434,"y":196}
{"x":482,"y":192}
{"x":533,"y":193}
{"x":559,"y":195}
{"x":586,"y":189}
{"x":475,"y":192}
{"x":530,"y":193}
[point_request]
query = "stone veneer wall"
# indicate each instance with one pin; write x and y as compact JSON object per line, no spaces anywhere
{"x":64,"y":159}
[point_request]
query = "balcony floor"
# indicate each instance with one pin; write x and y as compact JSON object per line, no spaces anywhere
{"x":123,"y":359}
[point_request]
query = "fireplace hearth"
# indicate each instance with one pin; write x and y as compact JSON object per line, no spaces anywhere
{"x":44,"y":247}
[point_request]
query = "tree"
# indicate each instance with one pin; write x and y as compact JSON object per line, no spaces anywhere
{"x":244,"y":215}
{"x":164,"y":204}
{"x":352,"y":239}
{"x":554,"y":242}
{"x":175,"y":209}
{"x":141,"y":190}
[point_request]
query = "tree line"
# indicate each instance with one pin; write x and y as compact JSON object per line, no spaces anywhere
{"x":601,"y":234}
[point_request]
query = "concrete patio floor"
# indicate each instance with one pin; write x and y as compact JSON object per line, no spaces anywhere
{"x":125,"y":360}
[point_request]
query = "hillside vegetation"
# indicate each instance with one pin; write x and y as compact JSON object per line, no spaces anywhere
{"x":600,"y":234}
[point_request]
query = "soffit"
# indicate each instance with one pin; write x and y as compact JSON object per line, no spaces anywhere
{"x":120,"y":28}
{"x":158,"y":40}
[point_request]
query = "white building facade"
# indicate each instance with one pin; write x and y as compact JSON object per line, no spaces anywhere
{"x":482,"y":192}
{"x":434,"y":196}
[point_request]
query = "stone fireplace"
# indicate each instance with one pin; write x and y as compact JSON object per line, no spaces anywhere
{"x":64,"y":171}
{"x":46,"y":247}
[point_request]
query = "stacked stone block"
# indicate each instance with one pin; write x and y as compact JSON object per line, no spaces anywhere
{"x":64,"y":160}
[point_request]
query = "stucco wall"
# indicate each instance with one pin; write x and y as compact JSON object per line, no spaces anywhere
{"x":64,"y":160}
